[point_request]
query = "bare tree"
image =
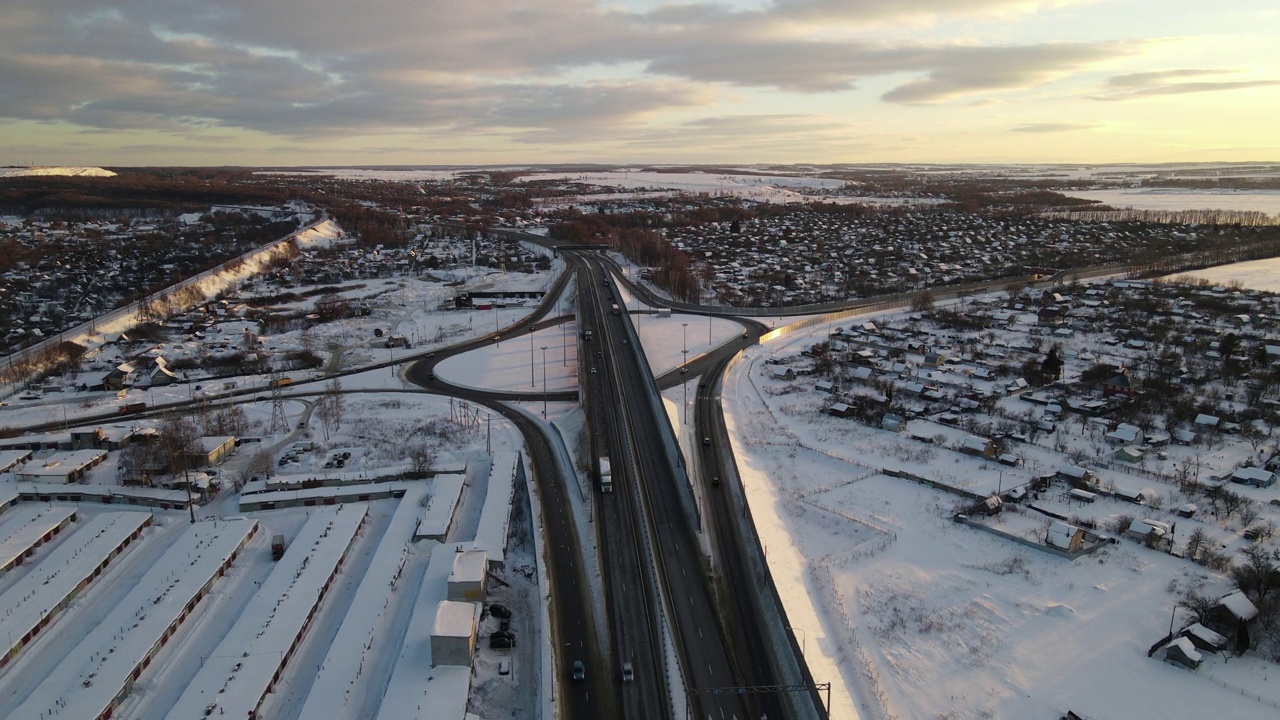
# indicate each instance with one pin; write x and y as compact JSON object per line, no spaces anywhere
{"x":1254,"y":576}
{"x":180,"y":439}
{"x":1248,"y":512}
{"x":422,"y":458}
{"x":1201,"y":606}
{"x":1195,"y":541}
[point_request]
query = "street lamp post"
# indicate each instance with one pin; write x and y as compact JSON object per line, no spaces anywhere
{"x":544,"y":382}
{"x":564,"y":344}
{"x":533,"y":381}
{"x":803,"y":638}
{"x":685,"y":329}
{"x":708,"y":329}
{"x":685,"y":385}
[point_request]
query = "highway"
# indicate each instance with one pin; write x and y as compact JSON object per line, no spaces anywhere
{"x":630,"y":580}
{"x":707,"y":659}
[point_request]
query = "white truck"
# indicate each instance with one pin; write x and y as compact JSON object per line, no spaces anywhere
{"x":606,"y":475}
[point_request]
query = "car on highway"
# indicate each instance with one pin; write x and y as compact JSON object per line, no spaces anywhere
{"x":579,"y":671}
{"x":706,"y":441}
{"x":628,"y":673}
{"x":715,"y":480}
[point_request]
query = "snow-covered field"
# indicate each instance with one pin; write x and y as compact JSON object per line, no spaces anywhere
{"x":1255,"y":274}
{"x":769,"y":188}
{"x":910,"y":615}
{"x":1267,"y":201}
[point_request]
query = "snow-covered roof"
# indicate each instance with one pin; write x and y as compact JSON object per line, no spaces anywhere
{"x":1206,"y":635}
{"x":976,"y":443}
{"x":95,"y":672}
{"x":42,"y":592}
{"x":351,"y":650}
{"x":237,"y":675}
{"x":407,"y":698}
{"x":469,"y":566}
{"x":1187,"y":649}
{"x":1254,"y":474}
{"x":1060,"y":534}
{"x":1206,"y":420}
{"x":1238,"y":605}
{"x":454,"y":619}
{"x":26,"y":526}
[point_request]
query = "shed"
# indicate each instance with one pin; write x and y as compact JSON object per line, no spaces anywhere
{"x":826,"y":386}
{"x":467,"y":578}
{"x":839,"y":409}
{"x":1182,"y":652}
{"x":453,"y":633}
{"x":893,"y":422}
{"x":781,"y":372}
{"x":1188,"y":510}
{"x":213,"y":450}
{"x":1147,"y":530}
{"x":1129,"y":454}
{"x":1184,"y":437}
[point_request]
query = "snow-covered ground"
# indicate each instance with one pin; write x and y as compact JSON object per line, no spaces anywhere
{"x":767,"y":188}
{"x":1267,"y":201}
{"x":1254,"y":274}
{"x":910,"y":615}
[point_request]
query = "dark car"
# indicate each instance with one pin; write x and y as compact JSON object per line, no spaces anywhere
{"x":579,"y":671}
{"x":502,"y":641}
{"x":706,"y":441}
{"x":499,"y":611}
{"x":628,"y":673}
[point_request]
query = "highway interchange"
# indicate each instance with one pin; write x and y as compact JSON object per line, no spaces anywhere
{"x":697,"y":639}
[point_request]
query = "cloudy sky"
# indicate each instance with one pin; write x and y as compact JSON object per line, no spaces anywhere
{"x":309,"y":82}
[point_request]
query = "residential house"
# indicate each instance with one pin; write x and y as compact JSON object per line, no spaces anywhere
{"x":1064,"y":536}
{"x":1254,"y":476}
{"x":978,"y":446}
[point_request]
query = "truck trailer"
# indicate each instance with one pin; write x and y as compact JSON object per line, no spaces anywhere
{"x":606,"y":475}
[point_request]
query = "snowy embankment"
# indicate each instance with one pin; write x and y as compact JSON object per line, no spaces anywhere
{"x":236,"y":678}
{"x":209,"y":283}
{"x":55,"y":171}
{"x":64,"y":574}
{"x":99,"y":672}
{"x":338,"y":691}
{"x":419,"y":690}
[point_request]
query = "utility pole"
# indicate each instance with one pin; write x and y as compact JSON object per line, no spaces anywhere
{"x":533,"y":380}
{"x":544,"y":382}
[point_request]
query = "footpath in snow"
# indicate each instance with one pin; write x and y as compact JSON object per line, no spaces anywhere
{"x":248,"y":662}
{"x":31,"y":603}
{"x":99,"y":672}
